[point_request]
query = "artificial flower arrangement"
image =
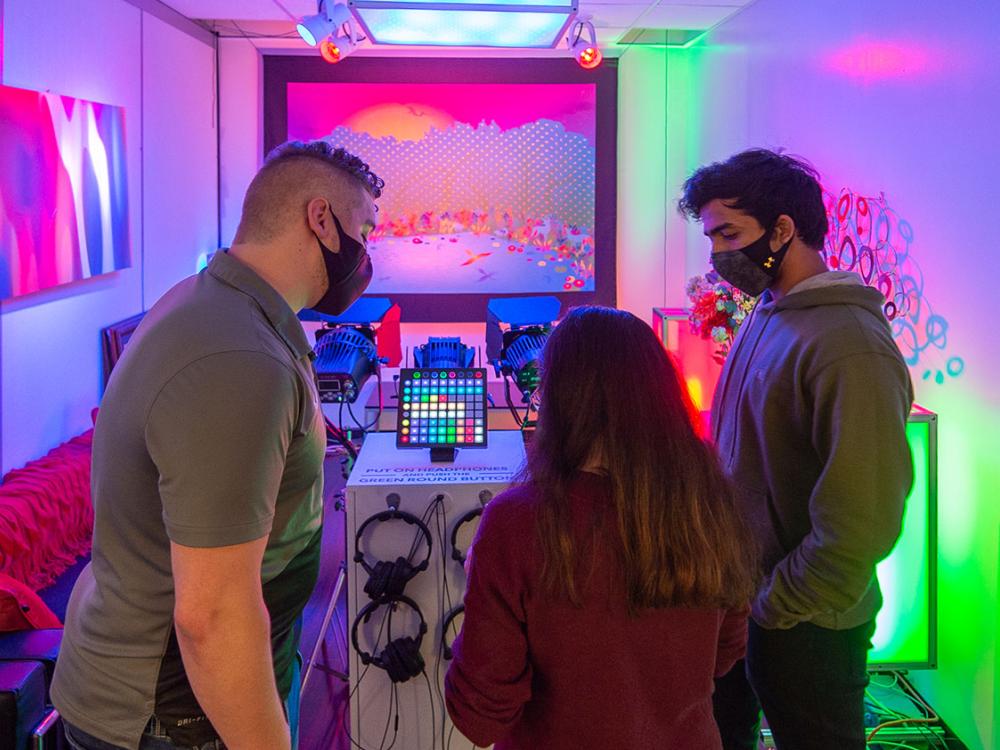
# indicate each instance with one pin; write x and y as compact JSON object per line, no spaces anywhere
{"x":717,"y":310}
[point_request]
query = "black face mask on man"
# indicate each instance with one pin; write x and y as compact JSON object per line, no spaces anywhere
{"x":349,"y":272}
{"x":753,"y":268}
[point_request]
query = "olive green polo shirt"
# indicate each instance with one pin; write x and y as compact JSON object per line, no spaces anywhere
{"x":210,"y":434}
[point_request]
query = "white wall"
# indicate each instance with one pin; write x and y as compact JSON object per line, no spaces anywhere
{"x":242,"y":135}
{"x":180,"y":157}
{"x":107,"y":51}
{"x":901,"y":98}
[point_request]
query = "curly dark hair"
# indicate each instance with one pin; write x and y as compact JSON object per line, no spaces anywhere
{"x":323,"y":151}
{"x":764,"y":184}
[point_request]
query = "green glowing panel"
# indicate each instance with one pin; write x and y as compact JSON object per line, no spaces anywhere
{"x":905,"y":633}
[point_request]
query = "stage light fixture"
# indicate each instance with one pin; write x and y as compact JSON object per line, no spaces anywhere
{"x":585,"y":50}
{"x":521,"y":357}
{"x":345,"y":359}
{"x":516,"y":331}
{"x":376,"y":312}
{"x":444,"y":352}
{"x":326,"y":21}
{"x":336,"y":48}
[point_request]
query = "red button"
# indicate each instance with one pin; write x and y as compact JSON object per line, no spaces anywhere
{"x":479,"y":375}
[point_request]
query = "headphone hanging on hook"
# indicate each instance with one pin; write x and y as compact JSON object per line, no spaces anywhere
{"x":467,"y":517}
{"x":445,"y":646}
{"x":388,"y":578}
{"x":401,"y":657}
{"x":470,"y":515}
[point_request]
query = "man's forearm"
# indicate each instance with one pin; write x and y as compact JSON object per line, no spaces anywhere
{"x":227,"y":656}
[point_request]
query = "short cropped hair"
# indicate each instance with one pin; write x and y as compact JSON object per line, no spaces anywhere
{"x":763,"y":184}
{"x":322,"y":151}
{"x":293,"y":173}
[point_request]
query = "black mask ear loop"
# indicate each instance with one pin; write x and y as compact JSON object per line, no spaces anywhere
{"x":766,"y":259}
{"x":344,"y":263}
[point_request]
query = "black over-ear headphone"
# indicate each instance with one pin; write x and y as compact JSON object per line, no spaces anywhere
{"x":471,"y":515}
{"x":389,"y":578}
{"x":445,"y":646}
{"x":401,"y":657}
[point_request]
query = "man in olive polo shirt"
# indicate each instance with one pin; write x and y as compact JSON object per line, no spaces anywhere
{"x":207,"y":479}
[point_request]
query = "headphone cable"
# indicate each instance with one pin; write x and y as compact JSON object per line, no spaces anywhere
{"x":347,"y":703}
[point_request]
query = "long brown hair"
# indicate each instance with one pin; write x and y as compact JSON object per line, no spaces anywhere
{"x":607,"y":385}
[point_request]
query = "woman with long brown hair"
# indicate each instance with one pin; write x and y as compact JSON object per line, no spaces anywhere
{"x":610,"y":585}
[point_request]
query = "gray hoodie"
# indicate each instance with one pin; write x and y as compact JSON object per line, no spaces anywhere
{"x":810,"y":422}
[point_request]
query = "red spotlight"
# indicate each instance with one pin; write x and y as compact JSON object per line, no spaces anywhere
{"x":330,"y":51}
{"x":335,"y":48}
{"x":587,"y":54}
{"x":589,"y":57}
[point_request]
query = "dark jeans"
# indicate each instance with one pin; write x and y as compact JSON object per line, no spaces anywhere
{"x":151,"y":740}
{"x":809,"y":681}
{"x":156,"y":739}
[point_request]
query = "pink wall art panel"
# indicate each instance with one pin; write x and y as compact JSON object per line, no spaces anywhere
{"x":63,"y":191}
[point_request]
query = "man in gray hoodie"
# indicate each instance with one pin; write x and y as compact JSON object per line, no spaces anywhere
{"x":809,"y":419}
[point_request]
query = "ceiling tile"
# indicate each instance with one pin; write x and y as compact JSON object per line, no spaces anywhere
{"x":607,"y":36}
{"x":667,"y":16}
{"x":250,"y":10}
{"x":613,"y":15}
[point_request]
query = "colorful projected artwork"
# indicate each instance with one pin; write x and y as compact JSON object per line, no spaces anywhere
{"x":867,"y":237}
{"x":489,"y":187}
{"x":63,"y":191}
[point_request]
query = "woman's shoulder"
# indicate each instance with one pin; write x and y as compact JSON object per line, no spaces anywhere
{"x":515,"y":505}
{"x":519,"y":504}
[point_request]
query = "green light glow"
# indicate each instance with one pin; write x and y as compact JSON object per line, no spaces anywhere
{"x":903,"y":625}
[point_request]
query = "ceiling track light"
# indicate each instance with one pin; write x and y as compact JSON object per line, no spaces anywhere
{"x":335,"y":48}
{"x":330,"y":17}
{"x":585,"y":51}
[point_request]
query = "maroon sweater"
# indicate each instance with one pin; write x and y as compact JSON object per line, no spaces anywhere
{"x":533,"y":672}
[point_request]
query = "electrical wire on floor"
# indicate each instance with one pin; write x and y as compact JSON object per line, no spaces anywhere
{"x":890,"y":717}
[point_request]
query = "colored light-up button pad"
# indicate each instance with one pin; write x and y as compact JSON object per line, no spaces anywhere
{"x":442,"y":408}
